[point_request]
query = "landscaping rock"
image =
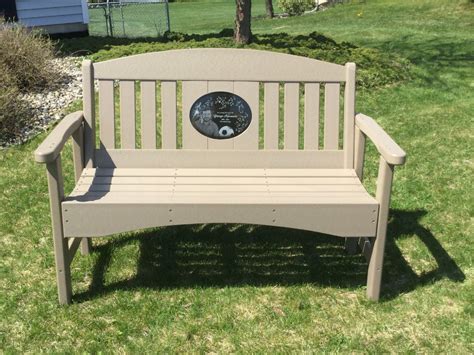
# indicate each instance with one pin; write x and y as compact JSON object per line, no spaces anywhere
{"x":49,"y":104}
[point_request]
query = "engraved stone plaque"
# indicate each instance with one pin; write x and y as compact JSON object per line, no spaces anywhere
{"x":220,"y":115}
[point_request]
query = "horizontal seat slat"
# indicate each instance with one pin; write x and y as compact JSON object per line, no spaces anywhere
{"x":312,"y":181}
{"x":221,"y":172}
{"x":133,"y":198}
{"x":311,"y":172}
{"x":223,"y":188}
{"x":211,"y":180}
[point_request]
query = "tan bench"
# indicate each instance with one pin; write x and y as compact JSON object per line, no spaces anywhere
{"x":239,"y":172}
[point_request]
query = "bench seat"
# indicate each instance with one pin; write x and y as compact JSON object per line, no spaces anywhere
{"x":117,"y":200}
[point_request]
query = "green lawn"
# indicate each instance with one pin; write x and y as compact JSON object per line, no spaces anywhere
{"x":220,"y":288}
{"x":191,"y":17}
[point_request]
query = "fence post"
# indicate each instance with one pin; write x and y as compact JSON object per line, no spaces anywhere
{"x":168,"y":25}
{"x":109,"y":18}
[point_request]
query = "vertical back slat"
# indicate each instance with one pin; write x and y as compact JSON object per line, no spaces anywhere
{"x":331,"y":116}
{"x":271,"y":113}
{"x":291,"y":115}
{"x":349,"y":114}
{"x":311,"y":116}
{"x":192,"y":90}
{"x":107,"y":114}
{"x":227,"y":86}
{"x":168,"y":114}
{"x":249,"y":91}
{"x":148,"y":114}
{"x":88,"y":103}
{"x":127,"y":114}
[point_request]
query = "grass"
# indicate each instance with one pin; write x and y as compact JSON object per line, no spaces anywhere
{"x":202,"y":16}
{"x":258,"y":289}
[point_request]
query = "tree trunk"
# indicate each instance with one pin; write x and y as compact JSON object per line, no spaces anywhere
{"x":242,"y":31}
{"x":269,"y":8}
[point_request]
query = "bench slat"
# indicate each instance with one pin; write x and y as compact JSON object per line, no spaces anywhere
{"x":349,"y":115}
{"x":291,"y":115}
{"x":148,"y":114}
{"x":331,"y":116}
{"x":291,"y":189}
{"x":192,"y":90}
{"x":212,"y":180}
{"x":203,"y":198}
{"x":202,"y":158}
{"x":127,"y":114}
{"x":311,"y":116}
{"x":221,"y":172}
{"x":88,"y":102}
{"x":220,"y":64}
{"x":249,"y":91}
{"x":271,"y":114}
{"x":227,"y":86}
{"x":107,"y":114}
{"x":168,"y":114}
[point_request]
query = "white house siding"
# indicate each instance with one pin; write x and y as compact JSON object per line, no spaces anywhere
{"x":54,"y":16}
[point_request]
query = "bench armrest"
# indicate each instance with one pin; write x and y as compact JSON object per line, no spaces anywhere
{"x":49,"y":150}
{"x":390,"y":151}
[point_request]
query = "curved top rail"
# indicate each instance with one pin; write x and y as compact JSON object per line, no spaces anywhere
{"x":215,"y":64}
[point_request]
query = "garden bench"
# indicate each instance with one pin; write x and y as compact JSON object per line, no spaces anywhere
{"x":223,"y":157}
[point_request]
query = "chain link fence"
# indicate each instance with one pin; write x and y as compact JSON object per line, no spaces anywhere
{"x":129,"y":18}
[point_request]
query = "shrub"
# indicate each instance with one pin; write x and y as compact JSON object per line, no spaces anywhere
{"x":374,"y":68}
{"x":295,"y":7}
{"x":14,"y":112}
{"x":25,"y":66}
{"x":25,"y":56}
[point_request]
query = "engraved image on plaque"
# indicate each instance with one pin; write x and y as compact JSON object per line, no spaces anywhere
{"x":220,"y":115}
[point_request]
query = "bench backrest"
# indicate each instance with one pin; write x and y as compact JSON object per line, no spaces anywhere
{"x":164,"y":86}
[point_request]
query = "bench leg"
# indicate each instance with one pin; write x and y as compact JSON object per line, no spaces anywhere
{"x":374,"y":277}
{"x":351,"y":245}
{"x":86,"y":245}
{"x":384,"y":186}
{"x":56,"y":193}
{"x":63,"y":270}
{"x":78,"y":155}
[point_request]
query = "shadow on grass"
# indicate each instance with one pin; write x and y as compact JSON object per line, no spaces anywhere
{"x":444,"y":52}
{"x":92,"y":44}
{"x":237,"y":255}
{"x":436,"y":56}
